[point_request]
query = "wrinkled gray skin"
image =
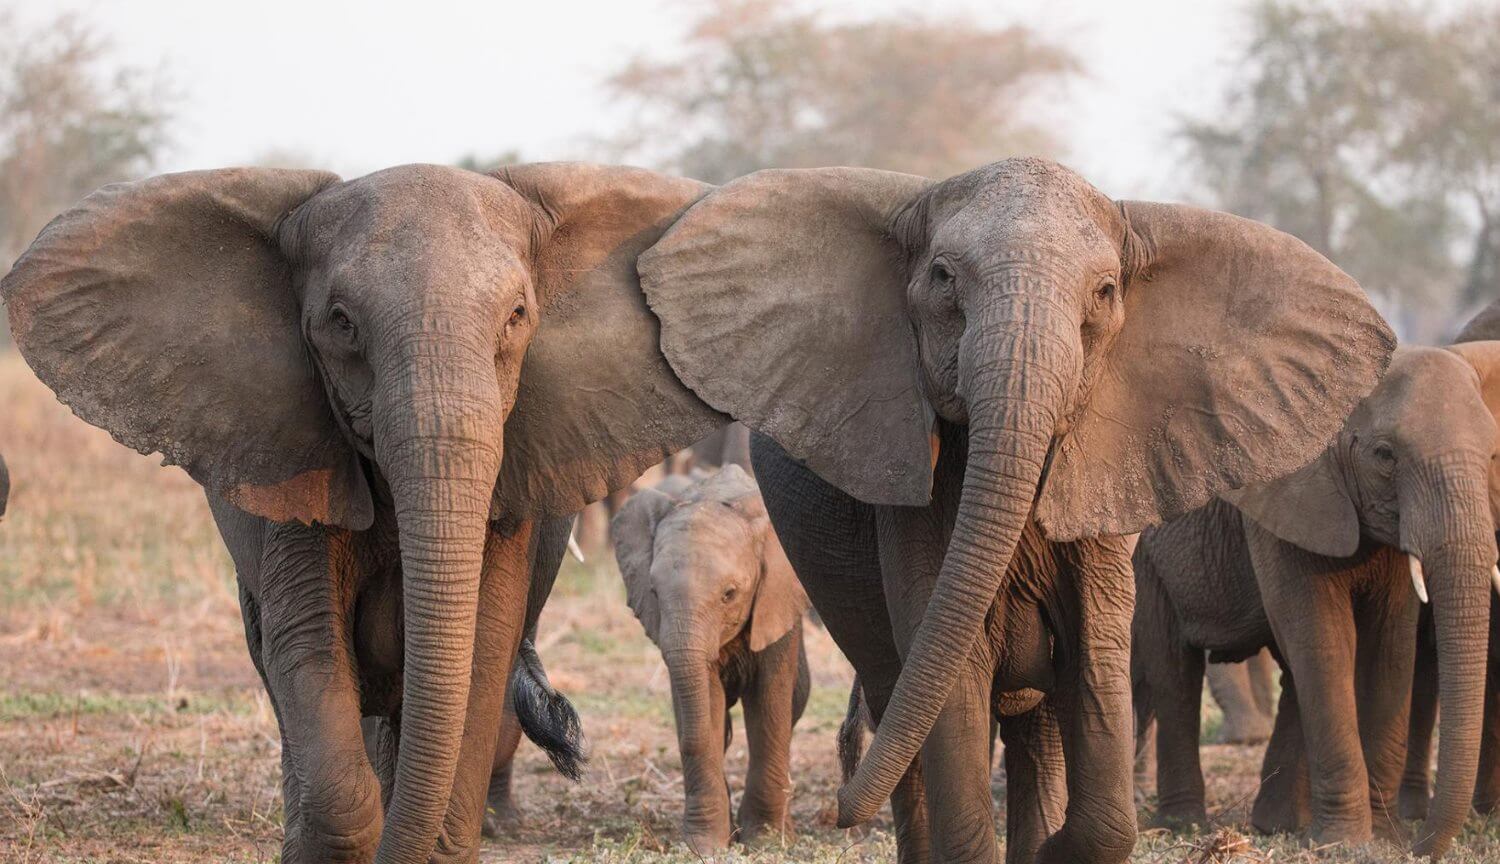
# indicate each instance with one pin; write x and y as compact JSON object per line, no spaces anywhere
{"x":713,"y":589}
{"x":1078,"y":356}
{"x":1315,"y":564}
{"x":351,"y":354}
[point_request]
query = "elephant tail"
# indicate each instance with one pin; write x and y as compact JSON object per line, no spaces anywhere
{"x":851,"y":740}
{"x":546,"y":716}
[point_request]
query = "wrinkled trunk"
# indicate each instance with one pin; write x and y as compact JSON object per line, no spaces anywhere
{"x":699,"y":706}
{"x":1015,"y":370}
{"x":1450,"y":530}
{"x":439,"y":442}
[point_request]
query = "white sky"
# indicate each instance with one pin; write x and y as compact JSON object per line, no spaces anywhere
{"x":358,"y":86}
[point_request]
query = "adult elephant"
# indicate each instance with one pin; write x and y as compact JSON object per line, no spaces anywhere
{"x":350,"y":354}
{"x":948,"y":366}
{"x":1329,"y":564}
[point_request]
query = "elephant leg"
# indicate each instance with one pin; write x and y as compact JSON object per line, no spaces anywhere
{"x":501,"y":618}
{"x":770,"y":711}
{"x":1282,"y":802}
{"x":1168,"y":684}
{"x":291,"y":807}
{"x":1387,"y":623}
{"x":502,"y":814}
{"x":307,"y":654}
{"x":1311,"y":614}
{"x":831,"y":540}
{"x":1261,"y":670}
{"x":381,"y":749}
{"x":1487,"y":788}
{"x":1095,"y":707}
{"x":956,"y":755}
{"x":1036,"y":786}
{"x":1231,"y":688}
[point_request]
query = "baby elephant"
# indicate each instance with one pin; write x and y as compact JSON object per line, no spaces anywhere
{"x":710,"y":583}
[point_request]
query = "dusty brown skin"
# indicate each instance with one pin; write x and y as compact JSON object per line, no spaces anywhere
{"x":1147,"y":355}
{"x":286,"y":337}
{"x":1317,"y":564}
{"x":1245,"y":694}
{"x":709,"y":582}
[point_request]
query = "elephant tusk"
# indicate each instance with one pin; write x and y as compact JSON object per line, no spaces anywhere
{"x":573,"y":548}
{"x":1495,"y":576}
{"x":1418,"y":582}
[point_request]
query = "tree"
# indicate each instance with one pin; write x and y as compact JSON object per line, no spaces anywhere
{"x":67,"y":124}
{"x":761,"y":84}
{"x":1373,"y":133}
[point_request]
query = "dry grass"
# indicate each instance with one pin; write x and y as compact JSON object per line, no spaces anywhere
{"x":133,"y":728}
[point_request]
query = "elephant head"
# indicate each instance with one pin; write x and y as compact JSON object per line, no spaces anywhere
{"x":1116,"y":363}
{"x":1416,"y":468}
{"x":265,"y":329}
{"x":702,"y":568}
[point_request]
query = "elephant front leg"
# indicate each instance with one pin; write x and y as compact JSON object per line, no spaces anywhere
{"x":1487,"y":788}
{"x":1036,"y":789}
{"x":502,"y":814}
{"x":1386,"y":622}
{"x":956,"y":762}
{"x":1416,"y":780}
{"x":1094,"y":699}
{"x":1308,"y":604}
{"x":1281,"y":804}
{"x":333,"y":797}
{"x":773,"y":704}
{"x":497,"y":634}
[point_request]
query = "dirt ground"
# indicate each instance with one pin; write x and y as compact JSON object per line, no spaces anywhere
{"x":133,"y":727}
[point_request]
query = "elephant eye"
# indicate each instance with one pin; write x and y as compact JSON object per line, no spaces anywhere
{"x":1105,"y":291}
{"x":516,"y":315}
{"x":729,"y":594}
{"x":1384,"y":453}
{"x":342,"y":324}
{"x":941,"y":273}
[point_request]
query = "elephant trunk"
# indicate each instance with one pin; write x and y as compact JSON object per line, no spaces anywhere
{"x":1451,"y":532}
{"x":1015,"y":373}
{"x":439,"y":439}
{"x":700,"y":740}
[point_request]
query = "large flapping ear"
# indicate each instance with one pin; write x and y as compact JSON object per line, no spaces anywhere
{"x":782,"y":298}
{"x":1309,"y":508}
{"x":1241,"y":354}
{"x":1485,"y":358}
{"x":780,"y":600}
{"x":633,"y":531}
{"x":597,"y":403}
{"x":164,"y":312}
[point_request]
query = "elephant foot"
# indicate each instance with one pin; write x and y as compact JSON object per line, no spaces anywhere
{"x":502,"y":816}
{"x":1178,"y":819}
{"x":1388,"y":827}
{"x":1412,"y":801}
{"x":1486,"y":804}
{"x":1350,"y":833}
{"x":706,"y":842}
{"x":767,"y":832}
{"x":1277,"y":814}
{"x":1095,"y":842}
{"x":1246,"y":732}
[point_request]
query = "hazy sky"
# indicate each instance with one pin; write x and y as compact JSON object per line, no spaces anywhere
{"x":355,"y":86}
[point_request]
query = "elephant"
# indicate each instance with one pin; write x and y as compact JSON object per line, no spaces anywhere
{"x":1244,"y":693}
{"x":1327,"y":566}
{"x":393,"y":375}
{"x":4,"y":486}
{"x":1414,"y":796}
{"x":711,"y":586}
{"x":964,"y":390}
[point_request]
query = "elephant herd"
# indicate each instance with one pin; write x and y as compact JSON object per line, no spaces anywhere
{"x":967,"y":397}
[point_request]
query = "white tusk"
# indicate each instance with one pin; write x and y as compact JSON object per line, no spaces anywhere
{"x":573,"y":547}
{"x":1418,"y":583}
{"x":1495,"y":576}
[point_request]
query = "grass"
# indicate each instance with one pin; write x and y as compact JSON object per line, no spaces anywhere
{"x":134,"y":729}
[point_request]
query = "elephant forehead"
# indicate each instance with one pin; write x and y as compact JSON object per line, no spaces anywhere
{"x":705,"y":533}
{"x":1428,"y":397}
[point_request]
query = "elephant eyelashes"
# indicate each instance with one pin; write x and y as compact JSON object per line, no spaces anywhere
{"x":1106,"y":291}
{"x":343,"y":326}
{"x":941,"y":273}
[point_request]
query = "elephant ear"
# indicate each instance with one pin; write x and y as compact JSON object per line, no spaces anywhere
{"x":782,"y":298}
{"x":633,"y":531}
{"x":780,"y":600}
{"x":1241,"y":354}
{"x":1485,"y":358}
{"x":1484,"y":326}
{"x":597,"y":402}
{"x":1308,"y":508}
{"x":164,"y":312}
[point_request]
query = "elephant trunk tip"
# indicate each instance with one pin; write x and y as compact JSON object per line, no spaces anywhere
{"x":854,"y":808}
